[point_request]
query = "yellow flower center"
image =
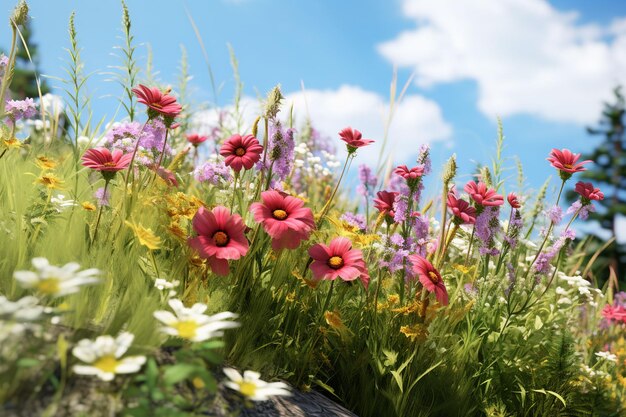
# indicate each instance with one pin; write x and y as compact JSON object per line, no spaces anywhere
{"x":186,"y":329}
{"x":568,"y":166}
{"x":220,"y":238}
{"x":248,"y":389}
{"x":107,"y":363}
{"x":109,"y":164}
{"x":280,"y":214}
{"x":49,"y":286}
{"x":433,"y":276}
{"x":240,"y":151}
{"x":335,"y":262}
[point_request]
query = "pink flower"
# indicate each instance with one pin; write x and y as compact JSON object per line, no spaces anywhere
{"x":220,"y":237}
{"x":430,"y":278}
{"x":158,"y":102}
{"x":353,"y":139}
{"x":409,"y":174}
{"x":462,"y":211}
{"x":384,"y":202}
{"x":284,"y":218}
{"x":241,"y":152}
{"x":614,"y":313}
{"x":101,"y":159}
{"x":588,"y":192}
{"x":566,"y":162}
{"x":338,"y":260}
{"x":482,"y":195}
{"x":513,"y":200}
{"x":196,"y":139}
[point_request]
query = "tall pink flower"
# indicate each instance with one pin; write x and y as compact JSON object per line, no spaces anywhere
{"x":241,"y":152}
{"x":354,"y":139}
{"x":284,"y":218}
{"x":158,"y":102}
{"x":566,"y":162}
{"x":462,"y":211}
{"x":101,"y":159}
{"x":430,"y":278}
{"x":384,"y":202}
{"x":588,"y":192}
{"x":482,"y":195}
{"x":196,"y":139}
{"x":513,"y":200}
{"x":338,"y":260}
{"x":220,"y":237}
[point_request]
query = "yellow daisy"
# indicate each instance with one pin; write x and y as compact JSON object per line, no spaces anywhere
{"x":145,"y":236}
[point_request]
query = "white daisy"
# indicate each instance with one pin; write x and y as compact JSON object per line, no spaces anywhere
{"x":56,"y":281}
{"x":607,"y":356}
{"x":165,"y":285}
{"x":252,"y":387}
{"x":192,"y":324}
{"x":104,"y":356}
{"x":25,"y":309}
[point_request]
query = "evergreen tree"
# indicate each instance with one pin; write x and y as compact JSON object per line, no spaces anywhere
{"x":24,"y":83}
{"x":609,"y":174}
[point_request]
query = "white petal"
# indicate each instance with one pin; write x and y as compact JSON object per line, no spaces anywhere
{"x":165,"y":317}
{"x":85,"y":370}
{"x":198,"y":308}
{"x":233,"y":375}
{"x":123,"y":340}
{"x":130,"y":364}
{"x":26,"y":277}
{"x":251,"y":376}
{"x":176,"y":305}
{"x":40,"y":263}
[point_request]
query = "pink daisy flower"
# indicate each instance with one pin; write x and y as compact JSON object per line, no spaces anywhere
{"x":513,"y":200}
{"x":384,"y":202}
{"x":588,"y":192}
{"x":220,"y":237}
{"x":157,"y":101}
{"x":241,"y":152}
{"x":196,"y":139}
{"x":101,"y":159}
{"x":462,"y":211}
{"x":482,"y":195}
{"x":338,"y":260}
{"x":284,"y":218}
{"x":354,"y":139}
{"x":430,"y":278}
{"x":409,"y":174}
{"x":566,"y":162}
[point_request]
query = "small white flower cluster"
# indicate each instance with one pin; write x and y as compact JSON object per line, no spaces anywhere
{"x":60,"y":203}
{"x":18,"y":316}
{"x":55,"y":281}
{"x":577,"y":286}
{"x":313,"y":165}
{"x":607,"y":356}
{"x":166,"y":286}
{"x":251,"y":386}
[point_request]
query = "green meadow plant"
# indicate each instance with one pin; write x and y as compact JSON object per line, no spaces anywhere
{"x":156,"y":269}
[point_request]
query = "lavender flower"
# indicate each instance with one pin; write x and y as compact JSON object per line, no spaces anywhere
{"x":212,"y":172}
{"x":424,"y":158}
{"x":355,"y":220}
{"x":542,"y":264}
{"x":21,"y":109}
{"x":102,"y":197}
{"x":280,"y":151}
{"x":368,"y":181}
{"x":4,"y":63}
{"x":123,"y":136}
{"x":515,"y":226}
{"x":555,"y":214}
{"x":487,"y":227}
{"x":401,"y":206}
{"x":583,"y":210}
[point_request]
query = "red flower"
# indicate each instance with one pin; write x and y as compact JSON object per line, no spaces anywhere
{"x":196,"y":139}
{"x":588,"y":192}
{"x":101,"y":159}
{"x":284,"y":218}
{"x":167,"y":176}
{"x":157,"y":101}
{"x":338,"y":260}
{"x":482,"y":195}
{"x":384,"y":202}
{"x":462,"y":211}
{"x":220,"y":237}
{"x":241,"y":152}
{"x":409,"y":174}
{"x":513,"y":200}
{"x":614,"y":313}
{"x":430,"y":278}
{"x":566,"y":162}
{"x":353,"y":139}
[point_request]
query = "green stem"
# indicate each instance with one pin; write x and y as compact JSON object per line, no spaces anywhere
{"x":95,"y":232}
{"x":332,"y":196}
{"x":9,"y":70}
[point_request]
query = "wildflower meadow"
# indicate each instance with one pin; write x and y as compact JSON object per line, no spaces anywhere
{"x":152,"y":267}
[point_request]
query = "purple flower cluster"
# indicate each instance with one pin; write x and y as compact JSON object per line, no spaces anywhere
{"x":395,"y":255}
{"x":555,"y":214}
{"x":542,"y":264}
{"x":102,"y":197}
{"x":583,"y":210}
{"x":355,"y":220}
{"x":513,"y":231}
{"x":368,"y":181}
{"x":212,"y":172}
{"x":123,"y":136}
{"x":151,"y":142}
{"x":487,"y":227}
{"x":280,"y":151}
{"x":423,"y":158}
{"x":21,"y":109}
{"x":4,"y":63}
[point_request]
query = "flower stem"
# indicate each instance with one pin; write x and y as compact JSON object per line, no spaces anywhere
{"x":95,"y":232}
{"x":332,"y":196}
{"x":156,"y":168}
{"x":9,"y":70}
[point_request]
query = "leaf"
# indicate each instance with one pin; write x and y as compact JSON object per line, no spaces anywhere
{"x":62,"y":350}
{"x":27,"y":362}
{"x":546,"y":392}
{"x":396,"y":375}
{"x":179,"y":372}
{"x":538,"y":323}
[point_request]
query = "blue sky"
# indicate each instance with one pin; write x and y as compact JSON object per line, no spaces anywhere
{"x":543,"y":66}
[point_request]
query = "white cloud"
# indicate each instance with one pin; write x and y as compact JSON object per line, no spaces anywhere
{"x":525,"y":56}
{"x":416,"y":119}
